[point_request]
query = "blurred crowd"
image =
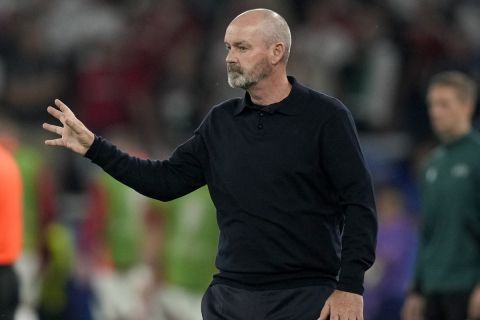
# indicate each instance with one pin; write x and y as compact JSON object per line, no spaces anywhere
{"x":143,"y":73}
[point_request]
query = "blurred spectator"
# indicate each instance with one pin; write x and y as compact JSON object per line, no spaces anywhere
{"x":370,"y":79}
{"x":69,"y":25}
{"x":325,"y":45}
{"x":445,"y":284}
{"x":10,"y":233}
{"x":32,"y":75}
{"x":387,"y":282}
{"x":38,"y":208}
{"x":191,"y":241}
{"x":56,"y":275}
{"x":112,"y":238}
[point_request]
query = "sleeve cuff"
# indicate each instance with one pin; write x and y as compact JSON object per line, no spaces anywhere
{"x":351,"y":279}
{"x":92,"y":152}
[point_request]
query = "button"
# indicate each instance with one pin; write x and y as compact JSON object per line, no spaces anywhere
{"x":261,"y":114}
{"x":260,"y":126}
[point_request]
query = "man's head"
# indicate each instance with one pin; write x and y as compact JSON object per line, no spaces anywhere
{"x":258,"y":44}
{"x":451,"y":104}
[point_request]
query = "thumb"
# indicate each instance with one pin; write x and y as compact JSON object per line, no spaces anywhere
{"x":325,"y":313}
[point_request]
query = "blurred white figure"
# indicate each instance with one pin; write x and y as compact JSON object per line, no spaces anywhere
{"x":68,"y":24}
{"x":120,"y":295}
{"x":28,"y":268}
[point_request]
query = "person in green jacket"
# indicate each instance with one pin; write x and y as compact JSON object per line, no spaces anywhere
{"x":447,"y":277}
{"x":191,"y":241}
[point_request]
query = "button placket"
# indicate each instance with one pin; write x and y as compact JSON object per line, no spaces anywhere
{"x":260,"y":115}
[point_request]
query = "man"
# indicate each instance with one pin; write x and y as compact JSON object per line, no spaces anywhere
{"x":448,"y":263}
{"x":284,"y":168}
{"x":10,"y":233}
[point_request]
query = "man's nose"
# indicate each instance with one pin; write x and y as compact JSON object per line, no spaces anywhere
{"x":230,"y":58}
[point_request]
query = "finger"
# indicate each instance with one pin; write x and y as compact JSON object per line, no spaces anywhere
{"x":62,"y":106}
{"x":324,"y":314}
{"x":52,"y":128}
{"x":55,"y":142}
{"x":74,"y":125}
{"x":55,"y":113}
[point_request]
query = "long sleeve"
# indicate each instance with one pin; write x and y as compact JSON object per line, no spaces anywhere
{"x":344,"y":165}
{"x":163,"y":180}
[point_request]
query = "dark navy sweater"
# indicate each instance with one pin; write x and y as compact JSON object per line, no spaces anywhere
{"x":294,"y":199}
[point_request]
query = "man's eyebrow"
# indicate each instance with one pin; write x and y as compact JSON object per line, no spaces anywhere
{"x":237,"y":43}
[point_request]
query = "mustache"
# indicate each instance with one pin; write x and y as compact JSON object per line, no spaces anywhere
{"x":234,"y":68}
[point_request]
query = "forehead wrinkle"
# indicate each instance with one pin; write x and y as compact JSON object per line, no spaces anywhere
{"x":246,"y":34}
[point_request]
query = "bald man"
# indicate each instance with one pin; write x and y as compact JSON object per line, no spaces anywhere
{"x":285,"y":171}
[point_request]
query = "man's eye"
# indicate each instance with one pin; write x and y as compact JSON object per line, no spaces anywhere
{"x":242,"y":48}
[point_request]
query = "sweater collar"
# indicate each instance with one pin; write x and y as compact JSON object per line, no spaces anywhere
{"x":291,"y":105}
{"x":458,"y":140}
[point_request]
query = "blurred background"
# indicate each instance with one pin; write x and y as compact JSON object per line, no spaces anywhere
{"x":143,"y":74}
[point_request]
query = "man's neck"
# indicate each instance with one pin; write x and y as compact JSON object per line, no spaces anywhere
{"x":270,"y":90}
{"x":447,"y":139}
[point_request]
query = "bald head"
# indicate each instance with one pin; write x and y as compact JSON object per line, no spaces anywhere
{"x":272,"y":26}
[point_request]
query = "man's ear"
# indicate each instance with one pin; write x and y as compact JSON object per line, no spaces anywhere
{"x":278,"y":51}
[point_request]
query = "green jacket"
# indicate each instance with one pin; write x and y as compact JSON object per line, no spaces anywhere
{"x":124,"y":222}
{"x":449,"y":253}
{"x":30,"y":162}
{"x":191,"y":241}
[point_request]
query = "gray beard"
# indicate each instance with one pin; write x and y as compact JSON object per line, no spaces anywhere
{"x":237,"y":78}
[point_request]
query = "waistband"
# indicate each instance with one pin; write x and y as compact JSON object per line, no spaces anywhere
{"x":273,"y":281}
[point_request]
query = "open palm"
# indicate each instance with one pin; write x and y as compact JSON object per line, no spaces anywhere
{"x":73,"y":134}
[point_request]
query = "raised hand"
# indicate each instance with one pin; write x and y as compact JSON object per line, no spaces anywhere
{"x":73,"y":134}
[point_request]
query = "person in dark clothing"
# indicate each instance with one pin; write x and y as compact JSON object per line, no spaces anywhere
{"x":446,"y":284}
{"x":284,"y":168}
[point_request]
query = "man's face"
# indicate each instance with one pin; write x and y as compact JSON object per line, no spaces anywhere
{"x":247,"y":55}
{"x":448,"y":113}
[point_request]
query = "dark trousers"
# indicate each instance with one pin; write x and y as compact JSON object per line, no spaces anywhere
{"x":222,"y":302}
{"x":447,"y":306}
{"x":9,"y":292}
